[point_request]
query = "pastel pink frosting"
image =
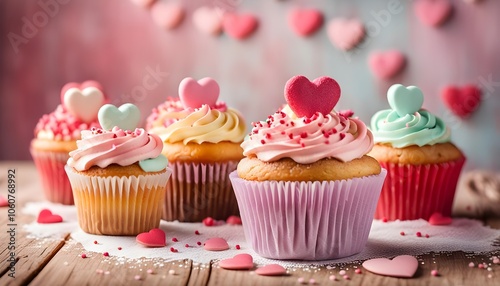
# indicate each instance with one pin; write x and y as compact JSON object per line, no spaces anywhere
{"x":102,"y":148}
{"x":308,"y":140}
{"x":61,"y":125}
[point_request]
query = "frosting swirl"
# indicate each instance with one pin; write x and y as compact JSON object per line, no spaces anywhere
{"x":205,"y":124}
{"x":61,"y":125}
{"x":307,"y":140}
{"x":420,"y":128}
{"x":102,"y":148}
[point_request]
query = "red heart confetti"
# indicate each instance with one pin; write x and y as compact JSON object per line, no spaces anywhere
{"x":305,"y":98}
{"x":461,"y":101}
{"x":46,"y":216}
{"x":154,"y":238}
{"x":439,"y":219}
{"x":239,"y":262}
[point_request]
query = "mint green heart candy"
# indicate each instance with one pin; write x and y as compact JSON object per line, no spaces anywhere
{"x":126,"y":117}
{"x":405,"y":100}
{"x":154,"y":164}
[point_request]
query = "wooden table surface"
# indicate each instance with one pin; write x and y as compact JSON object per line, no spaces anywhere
{"x":58,"y":262}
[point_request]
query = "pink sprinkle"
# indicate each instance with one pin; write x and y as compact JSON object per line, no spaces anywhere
{"x":384,"y":219}
{"x":196,"y":232}
{"x":346,"y":277}
{"x":208,"y":221}
{"x":312,"y":281}
{"x":357,"y":271}
{"x":119,"y":248}
{"x":419,"y":234}
{"x":238,"y":246}
{"x":150,"y":271}
{"x":174,"y":239}
{"x":95,"y":241}
{"x":342,"y":272}
{"x":106,"y":272}
{"x":471,"y":265}
{"x":342,"y":136}
{"x":427,"y":236}
{"x":300,"y":280}
{"x":99,"y":271}
{"x":199,"y":243}
{"x":407,"y":125}
{"x":106,"y":254}
{"x":173,"y":249}
{"x":83,"y":255}
{"x":332,"y":278}
{"x":137,"y":277}
{"x":262,"y":142}
{"x":496,"y":261}
{"x":480,"y":266}
{"x":402,"y":233}
{"x":434,"y":272}
{"x":187,"y":245}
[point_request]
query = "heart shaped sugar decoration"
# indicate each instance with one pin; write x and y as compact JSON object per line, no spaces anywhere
{"x":432,"y":13}
{"x":239,"y":26}
{"x":305,"y":98}
{"x":385,"y":65}
{"x":83,"y":100}
{"x":405,"y":100}
{"x":126,"y":117}
{"x":305,"y":22}
{"x":239,"y":262}
{"x":461,"y":101}
{"x":154,"y":238}
{"x":271,"y":270}
{"x":439,"y":219}
{"x":208,"y":20}
{"x":400,"y":266}
{"x":167,"y":15}
{"x":46,"y":216}
{"x":345,"y":34}
{"x":216,"y":244}
{"x":193,"y":94}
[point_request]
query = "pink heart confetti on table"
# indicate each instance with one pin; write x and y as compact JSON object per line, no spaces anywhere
{"x":193,"y":94}
{"x":154,"y":238}
{"x":305,"y":22}
{"x":432,"y":12}
{"x":385,"y":65}
{"x":239,"y":262}
{"x":167,"y":15}
{"x":3,"y":201}
{"x":439,"y":219}
{"x":305,"y":98}
{"x":345,"y":34}
{"x":239,"y":26}
{"x":271,"y":270}
{"x":461,"y":101}
{"x":208,"y":20}
{"x":234,"y":220}
{"x":216,"y":244}
{"x":400,"y":266}
{"x":46,"y":216}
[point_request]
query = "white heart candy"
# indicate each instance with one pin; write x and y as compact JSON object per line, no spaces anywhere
{"x":85,"y":103}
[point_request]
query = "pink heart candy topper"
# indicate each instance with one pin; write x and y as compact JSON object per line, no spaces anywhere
{"x":193,"y":94}
{"x":239,"y":262}
{"x":432,"y":12}
{"x":83,"y":100}
{"x":305,"y":22}
{"x":239,"y":26}
{"x":305,"y":98}
{"x":401,"y":266}
{"x":154,"y":238}
{"x":46,"y":216}
{"x":216,"y":244}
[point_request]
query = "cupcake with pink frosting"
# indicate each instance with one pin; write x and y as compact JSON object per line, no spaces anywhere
{"x":118,"y":175}
{"x":306,"y":188}
{"x":56,"y":134}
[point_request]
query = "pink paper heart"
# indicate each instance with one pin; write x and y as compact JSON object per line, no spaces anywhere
{"x":208,"y":20}
{"x":46,"y":216}
{"x":154,"y":238}
{"x":3,"y":201}
{"x":271,"y":270}
{"x":305,"y":22}
{"x":439,"y":219}
{"x":401,"y":266}
{"x":239,"y":26}
{"x":167,"y":15}
{"x":345,"y":34}
{"x":216,"y":244}
{"x":193,"y":94}
{"x":386,"y":64}
{"x":432,"y":12}
{"x":83,"y":101}
{"x":238,"y":262}
{"x":305,"y":98}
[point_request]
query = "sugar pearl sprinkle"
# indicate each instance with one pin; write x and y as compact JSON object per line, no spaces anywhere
{"x":434,"y":273}
{"x":137,"y":277}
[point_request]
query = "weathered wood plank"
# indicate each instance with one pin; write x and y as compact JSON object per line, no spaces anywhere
{"x":200,"y":274}
{"x":67,"y":267}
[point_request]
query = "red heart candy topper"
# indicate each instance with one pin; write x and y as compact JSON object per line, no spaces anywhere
{"x":305,"y":98}
{"x":83,"y":100}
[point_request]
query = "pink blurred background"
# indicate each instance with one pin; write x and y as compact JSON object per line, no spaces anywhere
{"x":118,"y":44}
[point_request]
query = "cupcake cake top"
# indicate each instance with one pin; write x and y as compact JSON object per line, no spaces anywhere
{"x":197,"y":116}
{"x":78,"y":110}
{"x":118,"y":142}
{"x":308,"y":129}
{"x":406,"y":123}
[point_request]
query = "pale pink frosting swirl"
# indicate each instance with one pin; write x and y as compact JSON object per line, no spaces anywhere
{"x":102,"y":148}
{"x":308,"y":140}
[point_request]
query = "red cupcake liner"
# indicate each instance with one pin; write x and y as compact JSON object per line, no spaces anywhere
{"x":55,"y":183}
{"x":417,"y":191}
